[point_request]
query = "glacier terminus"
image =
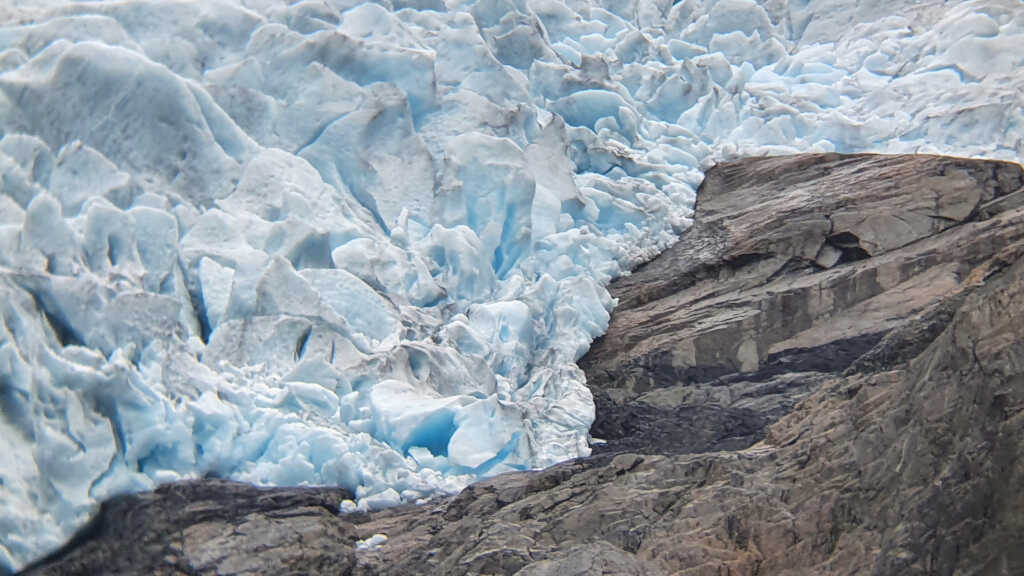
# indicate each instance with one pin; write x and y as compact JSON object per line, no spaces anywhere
{"x":363,"y":244}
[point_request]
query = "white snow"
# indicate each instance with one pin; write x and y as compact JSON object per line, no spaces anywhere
{"x":363,"y":244}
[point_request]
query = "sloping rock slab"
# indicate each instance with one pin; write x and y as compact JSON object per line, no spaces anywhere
{"x":796,"y":267}
{"x":212,"y":527}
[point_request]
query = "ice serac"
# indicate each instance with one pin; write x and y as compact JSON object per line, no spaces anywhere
{"x":363,"y":244}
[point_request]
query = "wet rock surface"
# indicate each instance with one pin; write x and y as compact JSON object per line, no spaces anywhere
{"x":825,"y":376}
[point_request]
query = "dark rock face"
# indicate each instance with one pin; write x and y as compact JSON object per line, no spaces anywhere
{"x":213,"y":527}
{"x":825,"y":376}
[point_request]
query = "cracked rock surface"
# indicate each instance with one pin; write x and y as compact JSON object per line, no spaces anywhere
{"x":825,"y":376}
{"x":796,"y":268}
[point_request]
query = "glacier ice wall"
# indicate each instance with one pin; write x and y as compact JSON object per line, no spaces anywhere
{"x":363,"y":244}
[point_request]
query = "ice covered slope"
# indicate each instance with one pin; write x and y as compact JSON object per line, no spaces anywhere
{"x":354,"y":244}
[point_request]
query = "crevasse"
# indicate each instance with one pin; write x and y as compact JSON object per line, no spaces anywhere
{"x":363,"y":244}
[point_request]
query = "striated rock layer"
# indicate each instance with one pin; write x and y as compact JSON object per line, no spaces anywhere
{"x":796,"y":268}
{"x":825,"y":376}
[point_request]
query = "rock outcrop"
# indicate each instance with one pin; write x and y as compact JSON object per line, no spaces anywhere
{"x":213,"y":527}
{"x":796,"y":268}
{"x":825,"y":376}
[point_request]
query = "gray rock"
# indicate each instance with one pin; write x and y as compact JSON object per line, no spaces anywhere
{"x":796,"y":267}
{"x":212,"y":527}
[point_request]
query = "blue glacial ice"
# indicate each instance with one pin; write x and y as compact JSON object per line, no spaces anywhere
{"x":363,"y":244}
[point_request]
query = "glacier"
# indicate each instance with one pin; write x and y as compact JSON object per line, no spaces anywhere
{"x":364,"y":244}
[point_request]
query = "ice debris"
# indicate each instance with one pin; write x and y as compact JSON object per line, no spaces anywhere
{"x":372,"y":543}
{"x":363,"y":244}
